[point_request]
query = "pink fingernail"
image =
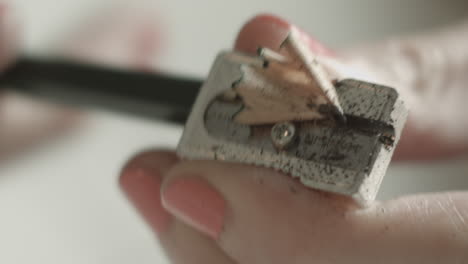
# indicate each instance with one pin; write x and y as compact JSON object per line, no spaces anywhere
{"x":262,"y":31}
{"x":270,"y":31}
{"x":196,"y":203}
{"x":142,"y":187}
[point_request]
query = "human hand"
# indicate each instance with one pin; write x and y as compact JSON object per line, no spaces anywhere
{"x":217,"y":212}
{"x":23,"y":122}
{"x":125,"y":36}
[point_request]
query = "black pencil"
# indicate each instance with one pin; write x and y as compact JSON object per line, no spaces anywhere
{"x":144,"y":94}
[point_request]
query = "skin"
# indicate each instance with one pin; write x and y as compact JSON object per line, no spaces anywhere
{"x":18,"y":114}
{"x":126,"y":38}
{"x":266,"y":217}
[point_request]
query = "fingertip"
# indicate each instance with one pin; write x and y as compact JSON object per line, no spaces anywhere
{"x":142,"y":187}
{"x":195,"y":202}
{"x":141,"y":180}
{"x":267,"y":30}
{"x":264,"y":30}
{"x":158,"y":160}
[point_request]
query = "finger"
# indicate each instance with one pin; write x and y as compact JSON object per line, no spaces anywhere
{"x":184,"y":244}
{"x":122,"y":37}
{"x":23,"y":122}
{"x":270,"y":31}
{"x":420,"y":144}
{"x":141,"y":180}
{"x":260,"y":216}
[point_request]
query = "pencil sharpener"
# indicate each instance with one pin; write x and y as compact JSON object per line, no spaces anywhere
{"x":345,"y":157}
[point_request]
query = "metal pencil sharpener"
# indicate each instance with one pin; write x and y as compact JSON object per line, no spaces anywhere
{"x":347,"y":155}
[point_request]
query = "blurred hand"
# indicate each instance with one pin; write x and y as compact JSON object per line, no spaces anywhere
{"x":123,"y":37}
{"x":216,"y":212}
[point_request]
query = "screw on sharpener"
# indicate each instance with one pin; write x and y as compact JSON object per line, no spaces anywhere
{"x":278,"y":116}
{"x":283,"y":134}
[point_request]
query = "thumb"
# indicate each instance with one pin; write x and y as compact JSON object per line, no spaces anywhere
{"x":257,"y":215}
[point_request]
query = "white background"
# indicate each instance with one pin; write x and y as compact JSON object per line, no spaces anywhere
{"x":60,"y":203}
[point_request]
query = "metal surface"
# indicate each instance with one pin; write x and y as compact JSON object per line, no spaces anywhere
{"x":345,"y":158}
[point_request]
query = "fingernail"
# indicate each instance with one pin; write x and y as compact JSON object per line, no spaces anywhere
{"x":262,"y":31}
{"x":196,"y":203}
{"x":270,"y":31}
{"x":143,"y":188}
